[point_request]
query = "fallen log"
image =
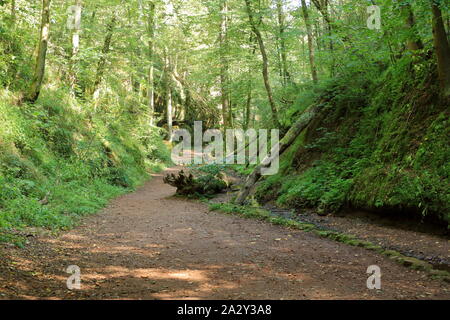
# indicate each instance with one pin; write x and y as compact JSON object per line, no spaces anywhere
{"x":188,"y":185}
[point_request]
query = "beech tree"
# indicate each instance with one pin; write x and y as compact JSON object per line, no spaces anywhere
{"x":39,"y":69}
{"x":442,"y":48}
{"x":104,"y":54}
{"x":310,"y":41}
{"x":150,"y":83}
{"x":265,"y":67}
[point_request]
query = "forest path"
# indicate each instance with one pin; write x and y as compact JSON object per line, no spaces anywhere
{"x":151,"y":245}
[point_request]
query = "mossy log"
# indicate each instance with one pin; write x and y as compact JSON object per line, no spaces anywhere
{"x":302,"y":123}
{"x":187,"y":184}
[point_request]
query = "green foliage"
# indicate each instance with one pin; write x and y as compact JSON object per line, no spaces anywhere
{"x":60,"y":161}
{"x":382,"y":145}
{"x":208,"y":169}
{"x":243,"y":169}
{"x":320,"y":186}
{"x":247,"y":212}
{"x":13,"y":60}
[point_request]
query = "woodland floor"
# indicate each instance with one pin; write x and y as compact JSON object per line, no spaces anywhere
{"x":151,"y":245}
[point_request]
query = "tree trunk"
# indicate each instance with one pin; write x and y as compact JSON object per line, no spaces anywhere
{"x":248,"y":106}
{"x":322,"y":6}
{"x":413,"y":42}
{"x":230,"y":111}
{"x":150,"y":80}
{"x":75,"y":49}
{"x":13,"y":13}
{"x":105,"y":51}
{"x":442,"y":49}
{"x":262,"y":48}
{"x":281,"y":25}
{"x":310,"y":42}
{"x":302,"y":123}
{"x":75,"y":43}
{"x":169,"y":108}
{"x":76,"y":32}
{"x":248,"y":111}
{"x":39,"y":69}
{"x":224,"y":64}
{"x":169,"y":113}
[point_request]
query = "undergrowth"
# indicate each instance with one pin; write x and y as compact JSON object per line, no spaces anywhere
{"x":62,"y":159}
{"x":381,"y":144}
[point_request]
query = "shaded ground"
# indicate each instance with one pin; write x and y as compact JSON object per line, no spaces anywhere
{"x":423,"y":242}
{"x":150,"y":245}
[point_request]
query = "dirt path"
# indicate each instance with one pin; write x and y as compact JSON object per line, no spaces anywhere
{"x":149,"y":245}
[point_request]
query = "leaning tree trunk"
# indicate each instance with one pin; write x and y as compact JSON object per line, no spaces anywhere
{"x":442,"y":49}
{"x":39,"y":69}
{"x":262,"y":48}
{"x":310,"y":42}
{"x":302,"y":123}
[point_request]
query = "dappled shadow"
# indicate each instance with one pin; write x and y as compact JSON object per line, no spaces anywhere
{"x":112,"y":273}
{"x":148,"y":245}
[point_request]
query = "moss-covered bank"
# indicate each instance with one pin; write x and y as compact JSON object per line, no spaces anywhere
{"x":382,"y":145}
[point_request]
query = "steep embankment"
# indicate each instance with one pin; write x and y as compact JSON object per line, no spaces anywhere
{"x":61,"y":159}
{"x":381,"y":145}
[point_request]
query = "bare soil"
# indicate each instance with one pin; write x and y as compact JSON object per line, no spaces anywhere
{"x":151,"y":245}
{"x":423,"y":241}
